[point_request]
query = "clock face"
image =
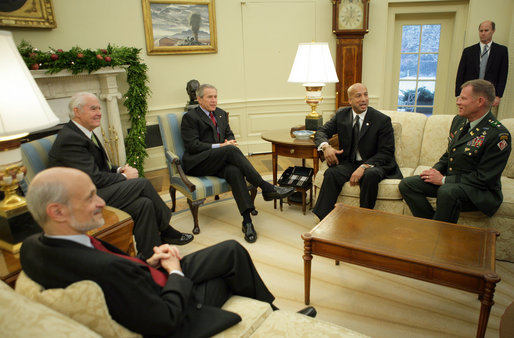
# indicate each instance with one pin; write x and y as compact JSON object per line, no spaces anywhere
{"x":351,"y":15}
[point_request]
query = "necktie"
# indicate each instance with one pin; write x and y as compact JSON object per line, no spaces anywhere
{"x":95,"y":141}
{"x":158,"y":276}
{"x":211,"y":114}
{"x":464,"y":130}
{"x":483,"y":61}
{"x":355,"y":138}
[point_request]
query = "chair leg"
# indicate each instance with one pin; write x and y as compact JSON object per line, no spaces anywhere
{"x":173,"y":195}
{"x":193,"y":206}
{"x":253,"y":194}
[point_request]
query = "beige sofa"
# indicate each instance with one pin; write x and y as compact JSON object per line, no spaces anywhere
{"x":80,"y":311}
{"x":420,"y":141}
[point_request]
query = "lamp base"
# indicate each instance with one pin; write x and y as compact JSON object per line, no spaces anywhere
{"x":13,"y":230}
{"x":313,"y":123}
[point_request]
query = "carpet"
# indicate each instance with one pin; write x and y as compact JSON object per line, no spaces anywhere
{"x":372,"y":302}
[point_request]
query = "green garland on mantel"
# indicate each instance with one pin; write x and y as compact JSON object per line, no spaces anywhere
{"x":78,"y":60}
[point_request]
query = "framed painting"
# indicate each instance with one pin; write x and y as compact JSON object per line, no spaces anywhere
{"x":179,"y":26}
{"x":27,"y":13}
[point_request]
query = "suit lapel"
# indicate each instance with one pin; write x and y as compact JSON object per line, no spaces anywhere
{"x":92,"y":146}
{"x":457,"y":139}
{"x":207,"y":120}
{"x":366,"y":123}
{"x":476,"y":58}
{"x":490,"y":60}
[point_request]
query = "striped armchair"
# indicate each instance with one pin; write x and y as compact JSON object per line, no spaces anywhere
{"x":195,"y":188}
{"x":35,"y":157}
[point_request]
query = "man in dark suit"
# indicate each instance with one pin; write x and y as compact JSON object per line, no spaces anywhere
{"x":491,"y":63}
{"x":366,"y":154}
{"x":467,"y":176}
{"x":168,"y":295}
{"x":77,"y":146}
{"x":211,"y":149}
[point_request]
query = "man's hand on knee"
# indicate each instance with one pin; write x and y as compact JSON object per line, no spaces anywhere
{"x":356,"y":176}
{"x":331,"y":155}
{"x":432,"y":176}
{"x":129,"y":172}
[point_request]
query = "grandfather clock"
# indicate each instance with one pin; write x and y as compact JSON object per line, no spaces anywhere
{"x":350,"y":21}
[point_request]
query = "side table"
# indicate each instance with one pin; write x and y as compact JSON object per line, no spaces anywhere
{"x":282,"y":143}
{"x":117,"y":231}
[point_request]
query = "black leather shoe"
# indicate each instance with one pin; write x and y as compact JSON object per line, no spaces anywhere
{"x":249,"y":231}
{"x":183,"y":239}
{"x":309,"y":311}
{"x":278,"y":193}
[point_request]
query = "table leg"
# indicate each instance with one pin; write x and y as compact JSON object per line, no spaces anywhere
{"x":274,"y":164}
{"x":487,"y":302}
{"x":307,"y":258}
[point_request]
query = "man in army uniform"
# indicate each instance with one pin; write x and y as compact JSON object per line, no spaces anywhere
{"x":467,"y":176}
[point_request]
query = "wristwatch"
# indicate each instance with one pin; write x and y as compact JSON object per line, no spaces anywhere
{"x":366,"y":166}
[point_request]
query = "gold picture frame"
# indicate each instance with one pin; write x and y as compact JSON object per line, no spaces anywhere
{"x":27,"y":13}
{"x":179,"y":26}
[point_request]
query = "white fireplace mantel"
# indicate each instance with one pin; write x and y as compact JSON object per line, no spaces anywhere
{"x":59,"y":87}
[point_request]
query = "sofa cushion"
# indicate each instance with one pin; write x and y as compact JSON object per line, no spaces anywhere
{"x":413,"y":125}
{"x":22,"y":317}
{"x":82,"y":301}
{"x":253,"y":313}
{"x":435,"y":139}
{"x":291,"y":324}
{"x":397,"y":127}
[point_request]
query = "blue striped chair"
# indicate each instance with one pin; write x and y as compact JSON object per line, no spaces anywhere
{"x":35,"y":157}
{"x":195,"y":188}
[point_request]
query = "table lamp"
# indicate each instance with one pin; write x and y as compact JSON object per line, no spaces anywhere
{"x":313,"y":67}
{"x":23,"y":109}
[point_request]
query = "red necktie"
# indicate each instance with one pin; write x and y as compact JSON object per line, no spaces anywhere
{"x":159,"y":277}
{"x":211,"y":114}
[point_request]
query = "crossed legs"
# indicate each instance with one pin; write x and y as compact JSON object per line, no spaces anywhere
{"x":230,"y":263}
{"x":151,"y":215}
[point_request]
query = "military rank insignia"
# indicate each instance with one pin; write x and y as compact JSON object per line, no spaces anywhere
{"x":502,"y":144}
{"x":495,"y":123}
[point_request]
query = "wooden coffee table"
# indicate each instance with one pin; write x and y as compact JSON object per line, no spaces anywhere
{"x":453,"y":255}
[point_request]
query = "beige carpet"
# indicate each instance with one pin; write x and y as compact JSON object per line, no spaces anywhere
{"x":375,"y":303}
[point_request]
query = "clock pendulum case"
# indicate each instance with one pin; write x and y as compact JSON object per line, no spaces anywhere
{"x":350,"y":19}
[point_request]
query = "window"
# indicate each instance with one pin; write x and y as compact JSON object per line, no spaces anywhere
{"x":418,"y":68}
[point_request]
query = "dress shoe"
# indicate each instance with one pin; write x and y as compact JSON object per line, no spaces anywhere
{"x":278,"y":193}
{"x":183,"y":239}
{"x":249,"y":231}
{"x":309,"y":311}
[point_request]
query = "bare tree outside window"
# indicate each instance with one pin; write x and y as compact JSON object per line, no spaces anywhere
{"x":418,"y":68}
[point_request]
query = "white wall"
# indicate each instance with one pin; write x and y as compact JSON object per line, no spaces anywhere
{"x":255,"y":92}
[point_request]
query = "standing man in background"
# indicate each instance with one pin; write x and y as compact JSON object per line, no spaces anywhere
{"x":485,"y":60}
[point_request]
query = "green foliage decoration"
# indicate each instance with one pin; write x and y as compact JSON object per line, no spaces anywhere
{"x":78,"y":60}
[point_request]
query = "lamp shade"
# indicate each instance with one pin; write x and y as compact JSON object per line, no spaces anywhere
{"x":313,"y":65}
{"x":23,"y":108}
